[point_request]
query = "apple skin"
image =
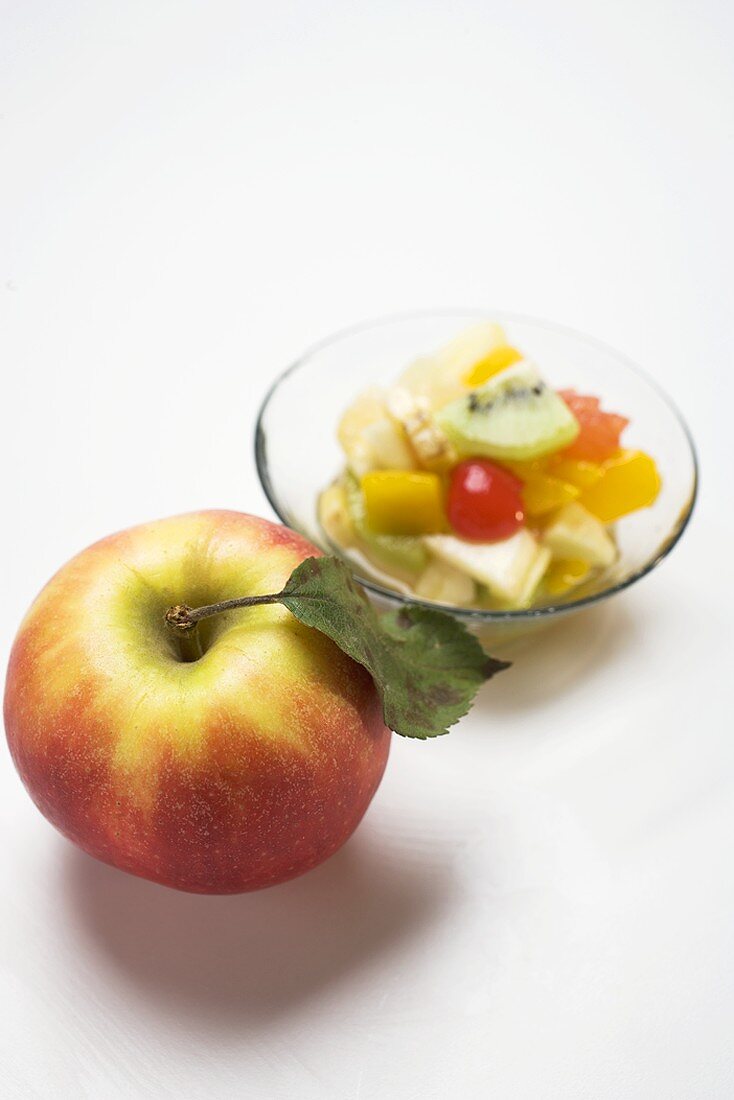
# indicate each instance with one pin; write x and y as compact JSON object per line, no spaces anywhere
{"x":233,"y":772}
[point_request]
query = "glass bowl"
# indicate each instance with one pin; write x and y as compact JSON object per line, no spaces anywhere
{"x":297,"y":453}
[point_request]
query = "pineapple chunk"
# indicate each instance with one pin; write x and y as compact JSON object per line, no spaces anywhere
{"x":402,"y":502}
{"x":444,"y":584}
{"x":534,"y":577}
{"x":440,"y":379}
{"x":418,"y":377}
{"x":387,"y":446}
{"x":366,"y":408}
{"x":503,"y":567}
{"x":575,"y":533}
{"x":360,"y":459}
{"x":429,"y":442}
{"x":334,"y":516}
{"x":364,"y":411}
{"x":470,"y":347}
{"x":370,"y":439}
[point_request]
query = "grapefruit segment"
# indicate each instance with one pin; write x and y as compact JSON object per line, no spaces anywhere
{"x":599,"y":433}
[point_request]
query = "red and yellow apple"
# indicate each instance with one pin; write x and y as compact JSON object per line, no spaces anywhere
{"x":230,"y":772}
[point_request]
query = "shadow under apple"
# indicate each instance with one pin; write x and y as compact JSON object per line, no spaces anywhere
{"x":228,"y":961}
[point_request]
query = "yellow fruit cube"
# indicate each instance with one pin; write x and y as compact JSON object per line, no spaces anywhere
{"x":630,"y":481}
{"x":491,"y":364}
{"x":403,"y":502}
{"x":564,"y":575}
{"x":577,"y":471}
{"x":542,"y":494}
{"x":528,"y":469}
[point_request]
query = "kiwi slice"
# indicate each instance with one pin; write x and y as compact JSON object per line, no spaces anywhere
{"x":515,"y":417}
{"x":403,"y":554}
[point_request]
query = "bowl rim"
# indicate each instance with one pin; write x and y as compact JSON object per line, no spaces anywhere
{"x":481,"y":615}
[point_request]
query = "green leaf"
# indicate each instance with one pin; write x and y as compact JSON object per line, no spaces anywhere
{"x":426,"y":665}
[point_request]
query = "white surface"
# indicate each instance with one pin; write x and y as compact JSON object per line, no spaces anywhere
{"x":540,"y":905}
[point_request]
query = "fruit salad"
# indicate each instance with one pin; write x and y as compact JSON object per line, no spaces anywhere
{"x":473,"y":482}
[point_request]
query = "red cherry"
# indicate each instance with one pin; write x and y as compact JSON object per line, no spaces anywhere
{"x":484,"y":501}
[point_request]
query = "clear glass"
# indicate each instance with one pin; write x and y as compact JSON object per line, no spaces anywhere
{"x":298,"y":455}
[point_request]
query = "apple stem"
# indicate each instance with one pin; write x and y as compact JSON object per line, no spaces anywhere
{"x":183,"y":619}
{"x":189,"y":645}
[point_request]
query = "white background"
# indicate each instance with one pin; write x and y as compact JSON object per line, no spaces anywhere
{"x":542,"y":904}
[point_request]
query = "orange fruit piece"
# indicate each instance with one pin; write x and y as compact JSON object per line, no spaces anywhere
{"x":578,"y":471}
{"x":564,"y":575}
{"x":499,"y":358}
{"x":542,"y":494}
{"x":599,"y":433}
{"x":630,"y":481}
{"x":532,"y":467}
